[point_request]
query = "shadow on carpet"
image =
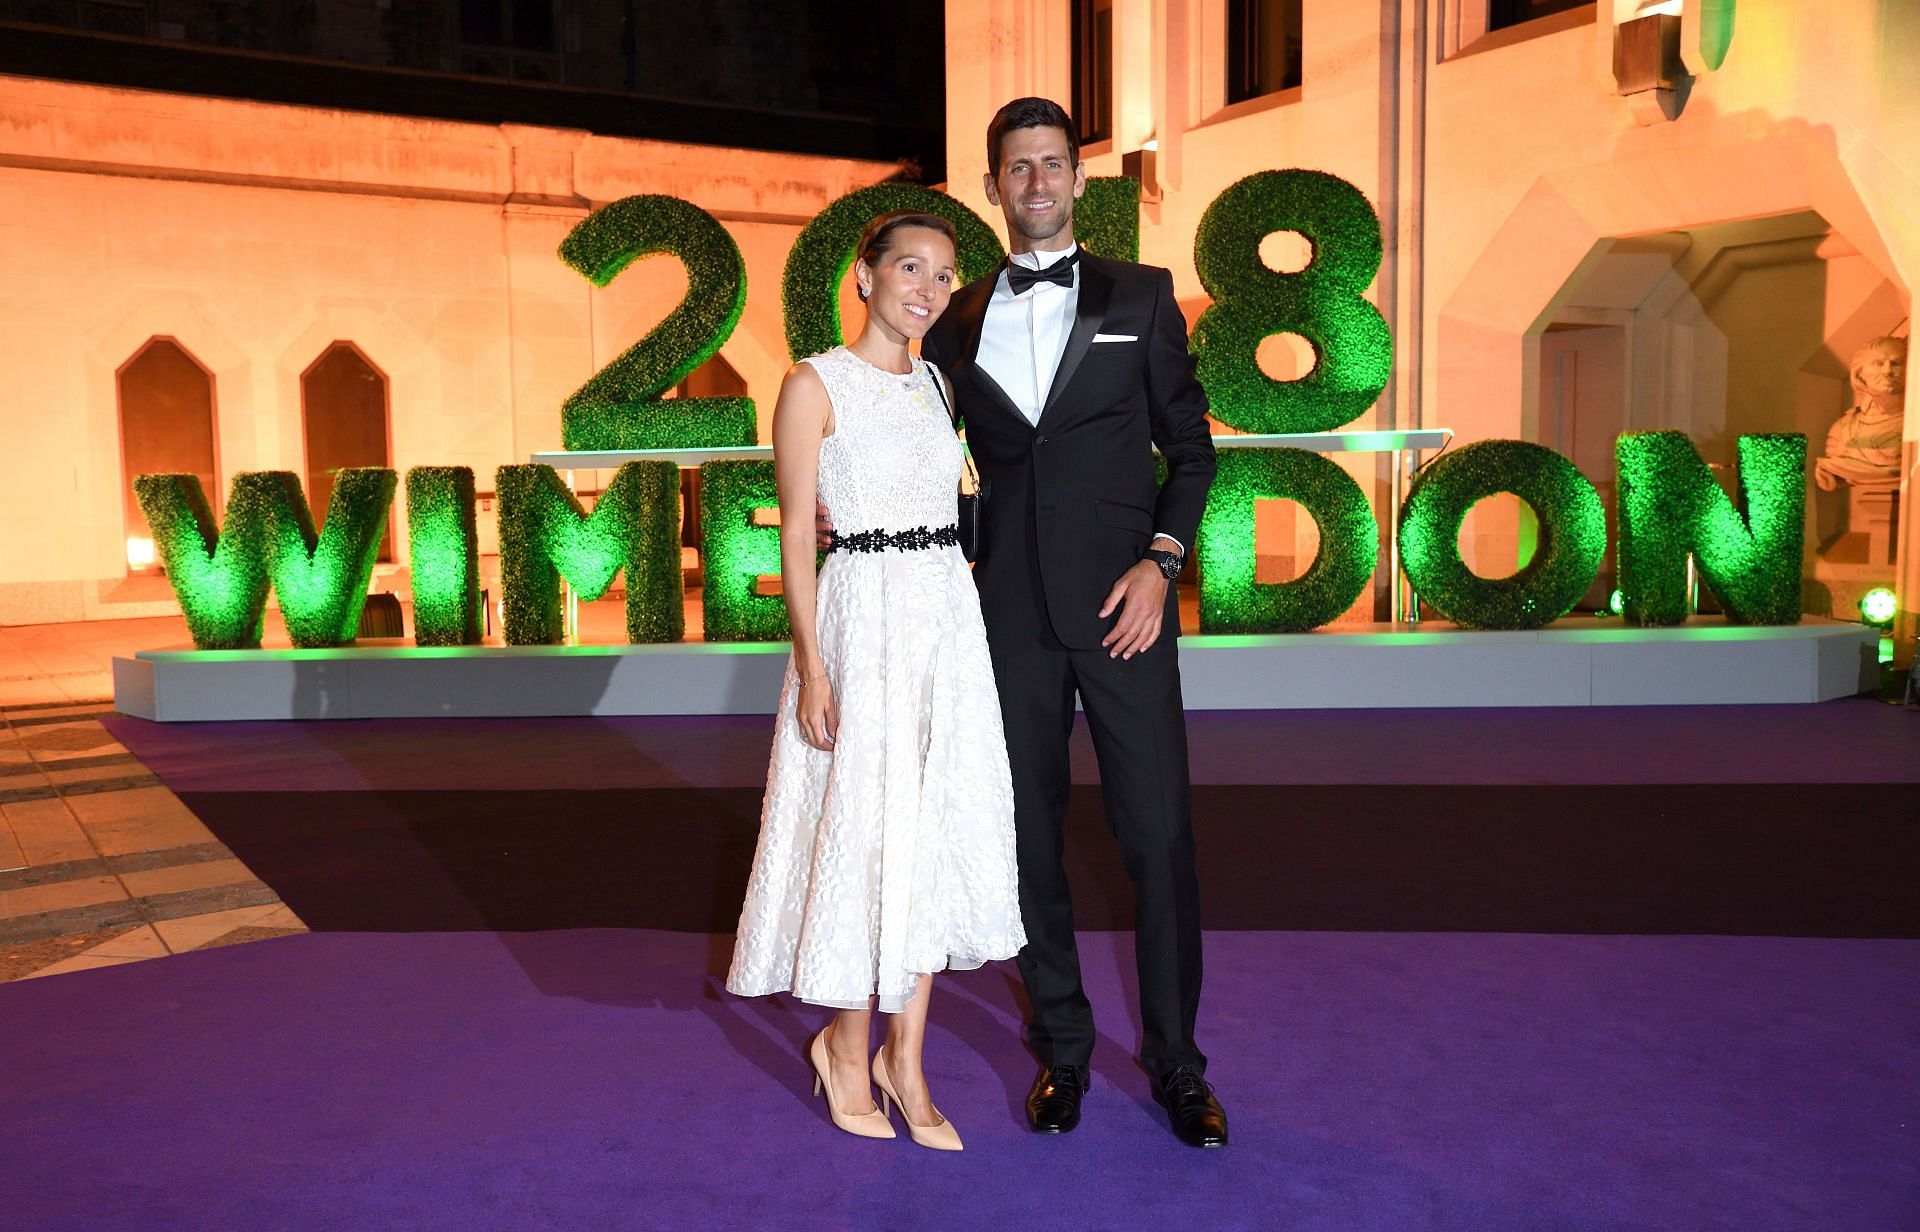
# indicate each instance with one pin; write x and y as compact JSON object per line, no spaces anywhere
{"x":1816,"y":860}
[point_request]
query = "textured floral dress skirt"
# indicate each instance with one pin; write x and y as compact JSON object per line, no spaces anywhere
{"x":892,"y":855}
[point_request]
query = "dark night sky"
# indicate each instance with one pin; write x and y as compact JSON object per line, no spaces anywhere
{"x":857,"y":78}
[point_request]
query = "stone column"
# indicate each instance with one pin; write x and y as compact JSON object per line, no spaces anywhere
{"x":1906,"y":624}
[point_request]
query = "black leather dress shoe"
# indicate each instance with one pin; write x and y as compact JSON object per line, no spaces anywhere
{"x":1053,"y":1106}
{"x":1198,"y":1119}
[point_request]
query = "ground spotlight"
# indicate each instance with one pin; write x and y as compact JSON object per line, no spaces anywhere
{"x":1877,"y":608}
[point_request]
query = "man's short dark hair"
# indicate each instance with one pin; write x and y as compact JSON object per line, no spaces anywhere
{"x":1029,"y":113}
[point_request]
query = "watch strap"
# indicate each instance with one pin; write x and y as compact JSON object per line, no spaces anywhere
{"x":1169,"y":562}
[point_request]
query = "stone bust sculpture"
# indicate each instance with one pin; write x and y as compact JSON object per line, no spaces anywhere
{"x":1863,"y":446}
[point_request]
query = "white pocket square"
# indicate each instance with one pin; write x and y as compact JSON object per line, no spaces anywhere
{"x":1116,"y":337}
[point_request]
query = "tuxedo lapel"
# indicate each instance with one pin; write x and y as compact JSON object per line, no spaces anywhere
{"x":972,"y":322}
{"x":1096,"y":287}
{"x":973,"y":314}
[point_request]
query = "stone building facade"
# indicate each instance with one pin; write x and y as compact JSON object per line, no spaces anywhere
{"x":251,"y":242}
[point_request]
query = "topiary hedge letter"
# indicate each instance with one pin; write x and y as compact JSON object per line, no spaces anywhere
{"x":1231,"y":601}
{"x":443,"y":551}
{"x":1321,"y":303}
{"x":221,"y":580}
{"x":734,"y":552}
{"x":621,"y":406}
{"x":1573,"y":535}
{"x":219,"y":574}
{"x":545,"y":535}
{"x":1670,"y":508}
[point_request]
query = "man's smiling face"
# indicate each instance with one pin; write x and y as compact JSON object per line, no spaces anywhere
{"x":1036,"y":187}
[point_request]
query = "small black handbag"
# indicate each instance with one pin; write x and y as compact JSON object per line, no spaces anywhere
{"x":970,"y":502}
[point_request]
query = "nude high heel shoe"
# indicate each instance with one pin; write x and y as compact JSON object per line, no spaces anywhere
{"x":862,"y":1124}
{"x":939,"y":1136}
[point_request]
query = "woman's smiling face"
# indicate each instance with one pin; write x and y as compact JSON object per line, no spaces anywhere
{"x":909,"y":286}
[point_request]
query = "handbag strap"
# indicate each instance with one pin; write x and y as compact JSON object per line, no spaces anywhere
{"x":940,"y":388}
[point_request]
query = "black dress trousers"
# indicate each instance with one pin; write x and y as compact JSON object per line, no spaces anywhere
{"x":1134,"y":710}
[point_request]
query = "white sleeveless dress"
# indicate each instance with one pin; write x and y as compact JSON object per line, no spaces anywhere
{"x":892,"y":855}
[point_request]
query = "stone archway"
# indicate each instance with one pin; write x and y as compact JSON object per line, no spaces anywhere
{"x":1586,"y":226}
{"x":1522,"y":277}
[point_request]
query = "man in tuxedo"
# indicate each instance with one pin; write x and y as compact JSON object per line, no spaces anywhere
{"x":1068,"y":370}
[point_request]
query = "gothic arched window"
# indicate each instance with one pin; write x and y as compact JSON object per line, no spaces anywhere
{"x":166,"y":425}
{"x":343,"y":406}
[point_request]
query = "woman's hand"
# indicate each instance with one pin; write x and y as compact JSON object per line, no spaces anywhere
{"x":818,"y":712}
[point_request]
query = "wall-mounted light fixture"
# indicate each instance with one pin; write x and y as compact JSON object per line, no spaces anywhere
{"x":1648,"y":69}
{"x":1142,"y":165}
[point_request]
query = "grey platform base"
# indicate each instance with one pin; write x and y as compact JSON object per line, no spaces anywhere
{"x":1579,"y":661}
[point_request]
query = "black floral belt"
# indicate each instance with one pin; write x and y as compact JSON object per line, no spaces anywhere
{"x":919,"y":539}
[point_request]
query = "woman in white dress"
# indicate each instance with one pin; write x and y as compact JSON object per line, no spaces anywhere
{"x":886,"y":846}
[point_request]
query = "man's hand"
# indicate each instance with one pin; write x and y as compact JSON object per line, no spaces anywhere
{"x":1141,"y":595}
{"x":822,"y":525}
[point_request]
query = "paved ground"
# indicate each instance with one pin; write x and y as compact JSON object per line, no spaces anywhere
{"x":100,"y":864}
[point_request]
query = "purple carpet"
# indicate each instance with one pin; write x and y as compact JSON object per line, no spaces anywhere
{"x":600,"y":1080}
{"x":1856,"y":741}
{"x":1757,"y":820}
{"x":461,"y":1073}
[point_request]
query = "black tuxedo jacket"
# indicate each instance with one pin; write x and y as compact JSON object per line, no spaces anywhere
{"x":1072,"y":503}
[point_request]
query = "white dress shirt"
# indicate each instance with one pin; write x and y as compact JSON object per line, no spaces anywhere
{"x":1025,"y":335}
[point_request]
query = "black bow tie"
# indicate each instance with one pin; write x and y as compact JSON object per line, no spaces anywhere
{"x":1060,"y":274}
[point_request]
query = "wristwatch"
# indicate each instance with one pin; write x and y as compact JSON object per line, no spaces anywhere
{"x":1169,"y":562}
